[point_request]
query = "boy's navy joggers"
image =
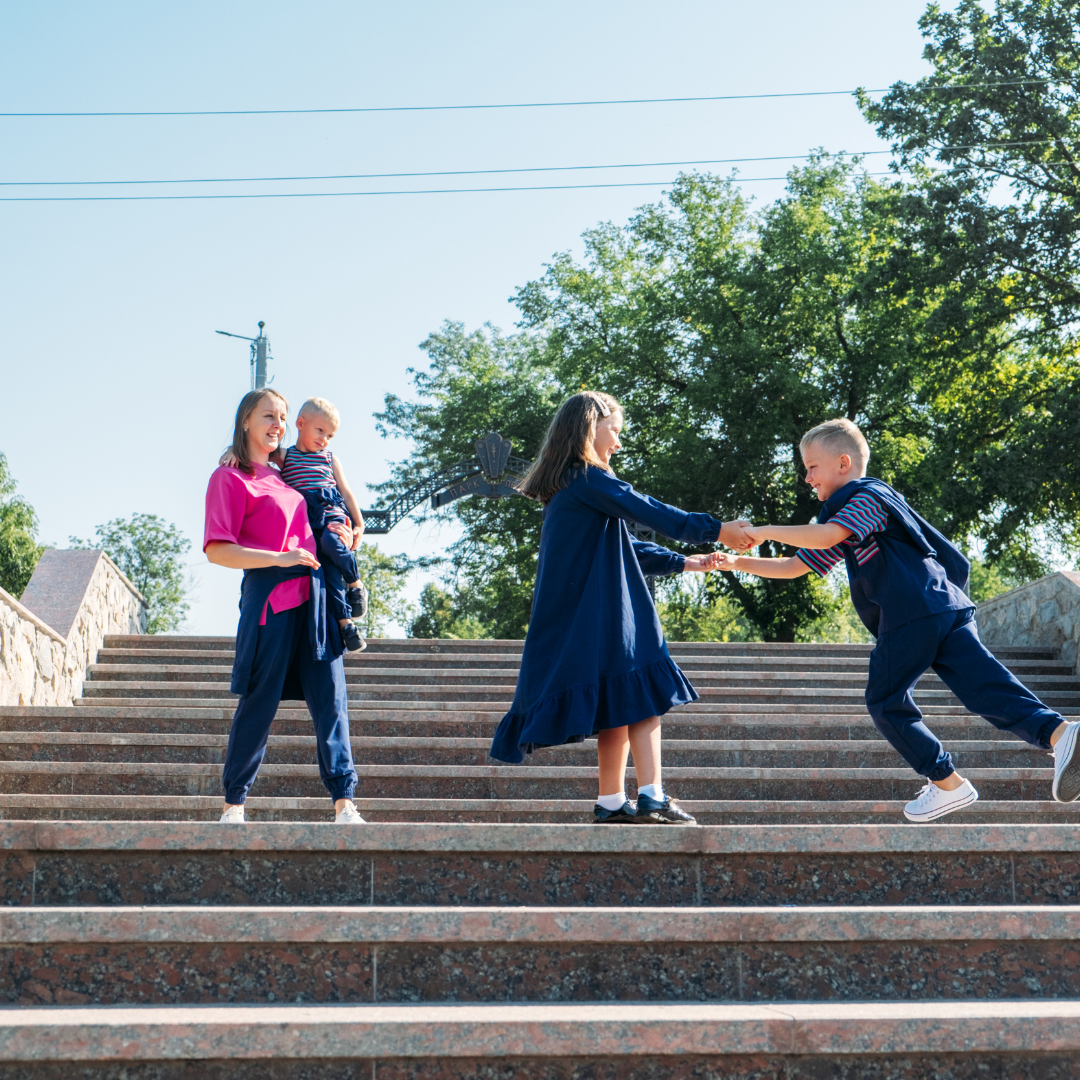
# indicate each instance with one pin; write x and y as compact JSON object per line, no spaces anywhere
{"x":949,"y":643}
{"x":283,"y":640}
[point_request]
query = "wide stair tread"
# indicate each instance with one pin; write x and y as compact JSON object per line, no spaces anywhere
{"x":481,"y":924}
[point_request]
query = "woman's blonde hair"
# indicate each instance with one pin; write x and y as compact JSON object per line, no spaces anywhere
{"x":248,"y":404}
{"x":568,"y":442}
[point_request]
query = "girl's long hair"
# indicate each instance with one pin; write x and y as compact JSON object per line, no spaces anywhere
{"x":568,"y":442}
{"x":248,"y":404}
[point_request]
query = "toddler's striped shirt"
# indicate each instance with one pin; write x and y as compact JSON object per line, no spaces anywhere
{"x":308,"y":471}
{"x":863,"y":515}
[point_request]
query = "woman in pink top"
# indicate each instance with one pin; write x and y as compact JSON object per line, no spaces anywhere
{"x":286,"y":648}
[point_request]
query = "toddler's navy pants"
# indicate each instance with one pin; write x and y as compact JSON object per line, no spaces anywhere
{"x":339,"y":570}
{"x":949,"y":643}
{"x":283,"y":640}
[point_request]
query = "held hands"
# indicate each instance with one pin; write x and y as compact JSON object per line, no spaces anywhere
{"x":715,"y":560}
{"x":755,"y":534}
{"x":734,"y":534}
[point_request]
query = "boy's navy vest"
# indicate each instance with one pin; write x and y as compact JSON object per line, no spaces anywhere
{"x":323,"y":634}
{"x":917,"y":571}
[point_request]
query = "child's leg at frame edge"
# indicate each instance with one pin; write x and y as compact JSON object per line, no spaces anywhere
{"x":613,"y":745}
{"x":990,"y":690}
{"x":901,"y":658}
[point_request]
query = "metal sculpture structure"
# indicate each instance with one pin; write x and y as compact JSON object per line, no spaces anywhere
{"x":489,"y":475}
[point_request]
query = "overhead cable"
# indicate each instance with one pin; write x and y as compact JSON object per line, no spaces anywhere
{"x":520,"y":104}
{"x":344,"y":194}
{"x":482,"y":172}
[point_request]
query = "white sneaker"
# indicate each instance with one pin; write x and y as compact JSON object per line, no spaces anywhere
{"x":233,"y":816}
{"x":349,"y":816}
{"x":934,"y":802}
{"x":1067,"y":765}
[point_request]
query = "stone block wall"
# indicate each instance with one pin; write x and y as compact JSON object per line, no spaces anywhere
{"x":50,"y":636}
{"x":1042,"y":613}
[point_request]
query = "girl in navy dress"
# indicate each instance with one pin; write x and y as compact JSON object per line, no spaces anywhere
{"x":595,"y":661}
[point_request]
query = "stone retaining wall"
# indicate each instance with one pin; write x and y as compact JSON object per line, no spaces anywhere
{"x":50,"y":636}
{"x":1042,"y":613}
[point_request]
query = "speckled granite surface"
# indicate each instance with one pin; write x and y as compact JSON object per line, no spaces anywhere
{"x":104,"y":863}
{"x":649,"y":1033}
{"x":262,"y":955}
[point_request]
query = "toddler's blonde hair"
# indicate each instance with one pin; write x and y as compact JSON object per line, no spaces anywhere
{"x":321,"y":407}
{"x":838,"y":436}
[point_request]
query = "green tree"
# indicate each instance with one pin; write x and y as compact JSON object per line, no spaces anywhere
{"x":479,"y":382}
{"x":384,"y":576}
{"x":992,"y":245}
{"x":440,"y":616}
{"x":19,"y":549}
{"x":151,"y":553}
{"x":727,"y":334}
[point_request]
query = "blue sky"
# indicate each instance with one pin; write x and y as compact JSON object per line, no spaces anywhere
{"x":119,"y":396}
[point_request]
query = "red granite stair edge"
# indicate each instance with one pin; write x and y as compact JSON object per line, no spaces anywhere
{"x":624,"y":1029}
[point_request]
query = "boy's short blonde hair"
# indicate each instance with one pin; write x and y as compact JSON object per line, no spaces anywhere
{"x":838,"y":436}
{"x":322,"y":407}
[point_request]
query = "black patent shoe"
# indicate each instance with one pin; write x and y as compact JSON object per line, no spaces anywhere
{"x":623,"y":816}
{"x":356,"y":598}
{"x":351,"y":639}
{"x":653,"y":812}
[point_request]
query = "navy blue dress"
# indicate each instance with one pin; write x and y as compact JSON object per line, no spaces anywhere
{"x":595,"y":655}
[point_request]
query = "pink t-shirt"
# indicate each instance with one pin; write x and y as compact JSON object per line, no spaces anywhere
{"x":263,"y":512}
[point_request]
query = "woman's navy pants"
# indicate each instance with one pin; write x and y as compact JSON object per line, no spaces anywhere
{"x":282,"y":642}
{"x":949,"y":643}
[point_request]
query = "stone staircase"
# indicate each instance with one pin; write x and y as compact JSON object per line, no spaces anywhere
{"x":481,"y":930}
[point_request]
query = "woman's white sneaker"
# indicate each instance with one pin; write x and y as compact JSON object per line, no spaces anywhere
{"x":349,"y":815}
{"x":1067,"y":764}
{"x":934,"y":802}
{"x":233,"y":816}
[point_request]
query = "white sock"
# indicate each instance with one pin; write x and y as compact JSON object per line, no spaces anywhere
{"x":612,"y":802}
{"x":654,"y":791}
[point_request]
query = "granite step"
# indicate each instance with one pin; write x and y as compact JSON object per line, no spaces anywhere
{"x":146,"y":955}
{"x":573,"y":811}
{"x":471,"y":723}
{"x":457,"y":646}
{"x":91,"y":863}
{"x":823,"y":697}
{"x":396,"y":750}
{"x":535,"y":781}
{"x":176,"y":675}
{"x":142,"y":659}
{"x":629,"y":1041}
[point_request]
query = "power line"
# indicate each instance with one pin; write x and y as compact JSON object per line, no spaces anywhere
{"x":344,"y":194}
{"x":518,"y":104}
{"x":484,"y":172}
{"x":392,"y":175}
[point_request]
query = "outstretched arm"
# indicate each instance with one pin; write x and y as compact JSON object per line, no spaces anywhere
{"x":350,"y":502}
{"x":802,"y":536}
{"x":767,"y":568}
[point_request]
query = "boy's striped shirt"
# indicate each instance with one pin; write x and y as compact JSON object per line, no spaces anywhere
{"x":863,"y":515}
{"x":308,"y":471}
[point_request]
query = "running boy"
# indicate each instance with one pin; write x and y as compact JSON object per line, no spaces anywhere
{"x":907,"y":584}
{"x":312,"y":469}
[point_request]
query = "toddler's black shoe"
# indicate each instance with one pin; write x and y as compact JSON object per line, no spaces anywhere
{"x":357,"y":601}
{"x":352,"y":639}
{"x":623,"y":816}
{"x":653,"y":812}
